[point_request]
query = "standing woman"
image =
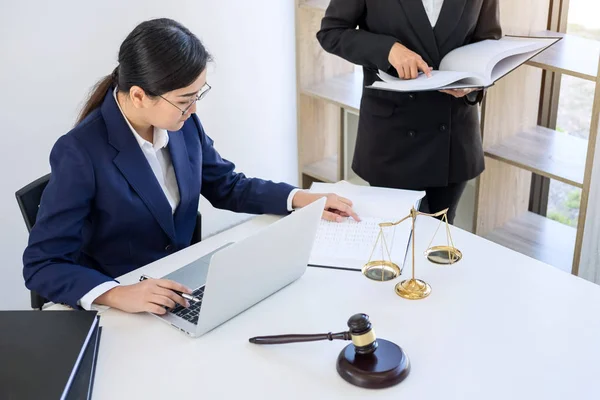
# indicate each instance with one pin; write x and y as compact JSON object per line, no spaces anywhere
{"x":126,"y":181}
{"x":427,"y":141}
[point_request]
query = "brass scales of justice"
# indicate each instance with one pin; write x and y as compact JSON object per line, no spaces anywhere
{"x":386,"y":270}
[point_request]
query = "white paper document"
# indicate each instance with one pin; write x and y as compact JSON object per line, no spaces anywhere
{"x":350,"y":244}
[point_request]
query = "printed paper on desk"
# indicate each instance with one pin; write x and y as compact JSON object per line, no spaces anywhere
{"x":369,"y":201}
{"x":349,"y":244}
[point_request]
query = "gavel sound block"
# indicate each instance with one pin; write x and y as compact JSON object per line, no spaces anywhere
{"x":368,"y":362}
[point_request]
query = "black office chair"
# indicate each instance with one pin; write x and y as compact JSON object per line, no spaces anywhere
{"x":29,"y":198}
{"x":197,"y":235}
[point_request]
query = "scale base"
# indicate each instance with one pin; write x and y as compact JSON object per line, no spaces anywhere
{"x":387,"y":366}
{"x":413,"y":289}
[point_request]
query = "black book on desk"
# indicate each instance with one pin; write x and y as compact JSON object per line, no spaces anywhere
{"x":83,"y":383}
{"x":44,"y":353}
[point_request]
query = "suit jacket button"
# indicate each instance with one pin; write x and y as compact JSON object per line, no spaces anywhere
{"x":412,"y":96}
{"x":412,"y":133}
{"x":169,"y":248}
{"x":443,"y":127}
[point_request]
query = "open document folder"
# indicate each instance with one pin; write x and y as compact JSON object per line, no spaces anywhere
{"x":349,"y":244}
{"x":476,"y":65}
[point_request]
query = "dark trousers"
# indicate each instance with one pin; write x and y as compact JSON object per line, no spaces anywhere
{"x":439,"y":198}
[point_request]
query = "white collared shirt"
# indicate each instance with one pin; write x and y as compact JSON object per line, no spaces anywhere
{"x":159,"y":158}
{"x":433,"y":8}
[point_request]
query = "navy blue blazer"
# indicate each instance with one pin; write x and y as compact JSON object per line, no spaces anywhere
{"x":104,"y":214}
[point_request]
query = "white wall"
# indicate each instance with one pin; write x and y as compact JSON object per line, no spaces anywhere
{"x":52,"y":52}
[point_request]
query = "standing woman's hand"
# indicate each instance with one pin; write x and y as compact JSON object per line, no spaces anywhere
{"x":407,"y":62}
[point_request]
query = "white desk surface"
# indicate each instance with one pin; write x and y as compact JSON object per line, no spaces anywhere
{"x":498,"y":325}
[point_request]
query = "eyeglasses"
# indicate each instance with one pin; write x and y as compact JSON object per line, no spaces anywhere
{"x":205,"y":89}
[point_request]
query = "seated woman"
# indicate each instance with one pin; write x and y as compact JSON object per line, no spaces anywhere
{"x":126,"y":181}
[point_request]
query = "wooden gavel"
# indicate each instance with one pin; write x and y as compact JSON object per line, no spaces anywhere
{"x":361,"y":333}
{"x":368,"y":362}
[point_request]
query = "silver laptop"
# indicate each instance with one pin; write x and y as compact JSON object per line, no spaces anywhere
{"x":237,"y":276}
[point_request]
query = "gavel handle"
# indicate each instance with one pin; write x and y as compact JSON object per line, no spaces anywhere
{"x":282,"y":339}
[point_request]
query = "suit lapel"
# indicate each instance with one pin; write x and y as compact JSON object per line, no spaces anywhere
{"x":417,"y":16}
{"x":183,"y":171}
{"x":135,"y":168}
{"x":448,"y":20}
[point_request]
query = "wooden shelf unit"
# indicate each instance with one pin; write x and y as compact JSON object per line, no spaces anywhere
{"x":343,"y":90}
{"x":572,"y":55}
{"x":546,"y":152}
{"x":515,"y":147}
{"x":327,"y":85}
{"x":324,"y":170}
{"x":538,"y":237}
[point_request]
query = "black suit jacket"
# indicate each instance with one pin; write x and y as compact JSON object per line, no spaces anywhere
{"x":411,"y":140}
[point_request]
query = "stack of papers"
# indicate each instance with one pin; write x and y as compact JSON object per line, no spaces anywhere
{"x":350,"y":244}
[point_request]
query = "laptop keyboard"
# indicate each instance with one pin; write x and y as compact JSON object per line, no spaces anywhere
{"x":190,"y":313}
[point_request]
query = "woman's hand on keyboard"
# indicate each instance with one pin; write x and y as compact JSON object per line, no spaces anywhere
{"x":336,"y":207}
{"x":150,"y":295}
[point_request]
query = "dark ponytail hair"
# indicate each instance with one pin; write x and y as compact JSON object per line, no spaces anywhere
{"x":159,"y":55}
